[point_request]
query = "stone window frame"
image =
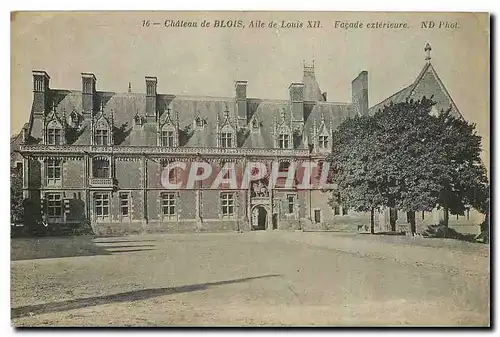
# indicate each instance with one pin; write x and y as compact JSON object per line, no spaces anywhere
{"x":230,"y":204}
{"x":226,"y":139}
{"x":128,"y":216}
{"x":292,"y":204}
{"x":57,"y":165}
{"x":93,"y":167}
{"x":101,"y":137}
{"x":55,"y":134}
{"x":323,"y":141}
{"x":284,"y":140}
{"x":173,"y":216}
{"x":317,"y":209}
{"x":54,"y":201}
{"x":167,"y":138}
{"x":102,"y":217}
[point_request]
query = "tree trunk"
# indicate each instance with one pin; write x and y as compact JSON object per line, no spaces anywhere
{"x":393,"y":216}
{"x":411,"y":220}
{"x":372,"y":221}
{"x":446,"y":216}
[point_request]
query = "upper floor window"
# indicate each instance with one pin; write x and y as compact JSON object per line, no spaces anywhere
{"x":167,"y":138}
{"x":53,"y":171}
{"x":100,"y":168}
{"x":283,"y":141}
{"x":101,"y":137}
{"x":323,"y":142}
{"x":226,"y":139}
{"x":54,"y":136}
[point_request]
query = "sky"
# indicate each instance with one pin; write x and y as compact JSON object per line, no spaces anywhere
{"x":118,"y":49}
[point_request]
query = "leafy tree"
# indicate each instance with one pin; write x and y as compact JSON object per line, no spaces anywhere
{"x":352,"y":162}
{"x":462,"y":176}
{"x":16,"y":195}
{"x":406,"y":165}
{"x":403,"y":157}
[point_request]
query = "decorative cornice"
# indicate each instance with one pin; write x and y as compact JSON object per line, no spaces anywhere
{"x":158,"y":150}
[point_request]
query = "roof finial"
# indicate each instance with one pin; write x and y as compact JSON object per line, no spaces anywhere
{"x":428,"y":52}
{"x":53,"y":105}
{"x":129,"y":87}
{"x":101,"y":108}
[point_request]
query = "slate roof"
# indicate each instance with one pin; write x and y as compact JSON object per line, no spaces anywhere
{"x":426,"y":84}
{"x":125,"y":106}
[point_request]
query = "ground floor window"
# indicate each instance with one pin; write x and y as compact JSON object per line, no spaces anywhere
{"x":227,"y":204}
{"x":124,"y":203}
{"x":290,"y":203}
{"x":317,"y":215}
{"x":101,"y":204}
{"x":54,"y":205}
{"x":168,"y":203}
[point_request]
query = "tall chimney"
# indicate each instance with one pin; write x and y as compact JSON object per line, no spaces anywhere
{"x":41,"y":81}
{"x":360,"y":93}
{"x":241,"y":102}
{"x":297,"y":100}
{"x":88,"y":93}
{"x":151,"y":84}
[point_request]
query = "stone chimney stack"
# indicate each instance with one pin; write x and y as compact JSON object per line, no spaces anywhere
{"x":297,"y":102}
{"x":241,"y":102}
{"x":360,"y":93}
{"x":89,"y":99}
{"x":151,"y":86}
{"x":41,"y":90}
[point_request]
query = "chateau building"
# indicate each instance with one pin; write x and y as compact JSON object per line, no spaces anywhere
{"x":98,"y":156}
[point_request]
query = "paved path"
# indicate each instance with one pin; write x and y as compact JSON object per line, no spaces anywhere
{"x":278,"y":278}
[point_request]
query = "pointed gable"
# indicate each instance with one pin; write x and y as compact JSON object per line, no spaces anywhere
{"x":426,"y":84}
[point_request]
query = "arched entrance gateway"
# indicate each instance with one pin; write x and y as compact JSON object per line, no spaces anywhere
{"x":260,"y":217}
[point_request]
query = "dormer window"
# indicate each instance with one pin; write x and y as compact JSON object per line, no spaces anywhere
{"x":54,"y":133}
{"x":168,"y":135}
{"x":101,"y":137}
{"x":284,"y":141}
{"x":54,"y":136}
{"x":167,"y":138}
{"x":323,"y":142}
{"x":226,"y":139}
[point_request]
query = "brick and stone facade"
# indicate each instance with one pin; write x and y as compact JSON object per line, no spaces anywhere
{"x":97,"y":156}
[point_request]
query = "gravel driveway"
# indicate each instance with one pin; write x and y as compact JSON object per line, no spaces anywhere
{"x":257,"y":278}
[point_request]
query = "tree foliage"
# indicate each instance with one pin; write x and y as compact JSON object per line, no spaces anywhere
{"x":407,"y":158}
{"x":16,"y":195}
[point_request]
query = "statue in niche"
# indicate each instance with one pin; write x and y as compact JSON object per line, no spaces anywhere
{"x":259,"y":189}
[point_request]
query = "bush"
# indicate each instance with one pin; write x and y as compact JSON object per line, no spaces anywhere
{"x":444,"y":232}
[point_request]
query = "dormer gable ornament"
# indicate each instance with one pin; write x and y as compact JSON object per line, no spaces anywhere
{"x":138,"y":119}
{"x":54,"y":127}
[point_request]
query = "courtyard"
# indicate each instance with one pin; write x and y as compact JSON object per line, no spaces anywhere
{"x":273,"y":278}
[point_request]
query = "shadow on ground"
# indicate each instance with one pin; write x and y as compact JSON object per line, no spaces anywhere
{"x":57,"y":247}
{"x":129,"y":296}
